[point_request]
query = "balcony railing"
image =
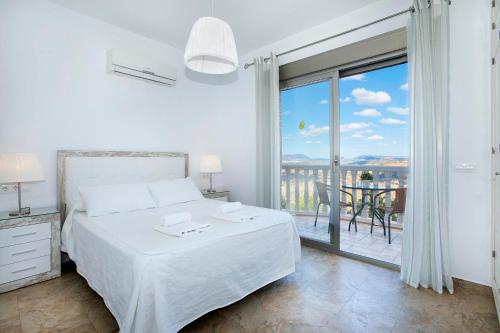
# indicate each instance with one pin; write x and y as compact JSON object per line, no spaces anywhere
{"x":299,"y":194}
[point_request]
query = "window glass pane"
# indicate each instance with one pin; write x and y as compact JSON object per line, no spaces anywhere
{"x":374,"y":140}
{"x":305,"y":142}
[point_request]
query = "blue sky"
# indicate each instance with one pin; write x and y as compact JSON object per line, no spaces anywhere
{"x":373,"y":115}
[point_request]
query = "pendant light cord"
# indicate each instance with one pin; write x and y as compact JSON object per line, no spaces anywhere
{"x":213,"y":8}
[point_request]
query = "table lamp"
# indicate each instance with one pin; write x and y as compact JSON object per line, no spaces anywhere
{"x":210,"y":164}
{"x":17,"y":168}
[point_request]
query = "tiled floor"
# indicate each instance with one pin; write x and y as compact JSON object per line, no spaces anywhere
{"x":373,"y":245}
{"x":327,"y":293}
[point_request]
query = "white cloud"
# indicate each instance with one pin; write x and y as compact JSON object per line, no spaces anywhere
{"x":396,"y":110}
{"x":353,"y":127}
{"x":361,"y":134}
{"x":346,"y":99}
{"x":286,"y":112}
{"x":368,"y":113}
{"x":312,"y":130}
{"x":355,"y":77}
{"x":392,"y":121}
{"x":404,"y":86}
{"x":382,"y":144}
{"x":375,"y":137}
{"x":368,"y":97}
{"x":316,"y":142}
{"x":323,"y":101}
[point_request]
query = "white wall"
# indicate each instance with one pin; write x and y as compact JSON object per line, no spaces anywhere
{"x":55,"y":94}
{"x":470,"y":236}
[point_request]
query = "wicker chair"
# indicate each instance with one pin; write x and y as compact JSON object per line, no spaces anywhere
{"x":397,"y":207}
{"x":324,"y":199}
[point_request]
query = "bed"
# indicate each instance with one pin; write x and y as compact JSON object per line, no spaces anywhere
{"x":152,"y":282}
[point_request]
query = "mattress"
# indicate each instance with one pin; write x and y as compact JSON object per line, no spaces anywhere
{"x":152,"y":282}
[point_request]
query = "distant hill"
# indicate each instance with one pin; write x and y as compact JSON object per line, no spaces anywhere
{"x":377,"y":160}
{"x":295,"y":157}
{"x":359,"y":160}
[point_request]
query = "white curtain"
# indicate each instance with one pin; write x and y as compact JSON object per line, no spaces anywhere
{"x":268,"y":132}
{"x":425,"y":259}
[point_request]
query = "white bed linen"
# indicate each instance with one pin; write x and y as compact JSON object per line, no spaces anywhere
{"x":152,"y":282}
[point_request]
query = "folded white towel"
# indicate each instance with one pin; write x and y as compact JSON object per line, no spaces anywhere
{"x":177,"y":218}
{"x":183,"y":229}
{"x":235,"y":212}
{"x":238,"y":218}
{"x":230,"y":207}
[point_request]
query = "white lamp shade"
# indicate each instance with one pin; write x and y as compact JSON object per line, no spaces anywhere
{"x":210,"y":164}
{"x":211,"y":48}
{"x":20,"y":168}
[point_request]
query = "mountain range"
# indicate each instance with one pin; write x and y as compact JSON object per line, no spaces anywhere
{"x":359,"y":160}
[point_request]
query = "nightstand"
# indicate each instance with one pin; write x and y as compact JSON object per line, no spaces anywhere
{"x":217,"y":195}
{"x":30,"y":248}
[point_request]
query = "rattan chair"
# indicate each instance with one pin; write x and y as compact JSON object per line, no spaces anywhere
{"x":397,"y":207}
{"x":324,"y":199}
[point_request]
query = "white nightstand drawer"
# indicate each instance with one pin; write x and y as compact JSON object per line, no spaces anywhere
{"x":20,"y":252}
{"x":23,"y":269}
{"x":25,"y":234}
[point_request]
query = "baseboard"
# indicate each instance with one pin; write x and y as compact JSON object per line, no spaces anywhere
{"x":496,"y":296}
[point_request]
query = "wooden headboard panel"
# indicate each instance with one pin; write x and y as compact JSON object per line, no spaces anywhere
{"x":86,"y":167}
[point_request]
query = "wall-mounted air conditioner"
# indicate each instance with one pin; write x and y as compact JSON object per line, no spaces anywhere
{"x":131,"y":65}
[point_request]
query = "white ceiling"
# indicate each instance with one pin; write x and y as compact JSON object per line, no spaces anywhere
{"x":255,"y":23}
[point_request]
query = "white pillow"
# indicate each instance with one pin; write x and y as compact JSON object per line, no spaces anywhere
{"x":106,"y":199}
{"x":169,"y":192}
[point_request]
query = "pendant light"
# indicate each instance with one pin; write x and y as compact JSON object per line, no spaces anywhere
{"x":211,"y":48}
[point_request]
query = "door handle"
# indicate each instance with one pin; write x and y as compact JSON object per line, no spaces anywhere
{"x":336,"y":160}
{"x":497,"y":173}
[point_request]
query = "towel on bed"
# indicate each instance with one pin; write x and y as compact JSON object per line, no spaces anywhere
{"x":177,"y":218}
{"x":183,"y":229}
{"x":230,"y":207}
{"x":234,"y":212}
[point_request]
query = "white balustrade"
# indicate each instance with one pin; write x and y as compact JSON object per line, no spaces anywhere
{"x":300,"y":195}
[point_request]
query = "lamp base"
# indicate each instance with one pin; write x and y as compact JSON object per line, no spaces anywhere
{"x":21,"y":212}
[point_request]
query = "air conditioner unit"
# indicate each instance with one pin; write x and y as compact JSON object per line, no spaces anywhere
{"x":131,"y":65}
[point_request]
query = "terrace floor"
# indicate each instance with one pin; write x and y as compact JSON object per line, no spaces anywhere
{"x":363,"y":243}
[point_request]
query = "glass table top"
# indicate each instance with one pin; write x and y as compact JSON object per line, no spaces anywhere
{"x":369,"y":187}
{"x":34,"y":212}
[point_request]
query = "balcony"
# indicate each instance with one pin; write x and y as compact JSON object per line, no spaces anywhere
{"x":300,"y":197}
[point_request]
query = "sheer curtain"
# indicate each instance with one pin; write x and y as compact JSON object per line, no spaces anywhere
{"x":267,"y":94}
{"x":425,"y":260}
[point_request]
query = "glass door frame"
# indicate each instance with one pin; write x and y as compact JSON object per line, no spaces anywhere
{"x":334,"y":219}
{"x":333,"y":75}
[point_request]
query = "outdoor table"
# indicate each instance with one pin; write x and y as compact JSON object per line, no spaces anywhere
{"x":367,"y":190}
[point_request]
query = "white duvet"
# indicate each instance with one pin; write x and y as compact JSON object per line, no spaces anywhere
{"x":152,"y":282}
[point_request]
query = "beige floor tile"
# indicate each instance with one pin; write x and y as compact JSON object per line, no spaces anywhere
{"x":327,"y":293}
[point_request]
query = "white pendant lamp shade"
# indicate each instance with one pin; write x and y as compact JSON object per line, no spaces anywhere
{"x":211,"y":48}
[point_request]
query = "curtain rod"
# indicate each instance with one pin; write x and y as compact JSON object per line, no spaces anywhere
{"x":411,"y":9}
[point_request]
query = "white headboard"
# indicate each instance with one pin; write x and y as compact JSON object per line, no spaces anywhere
{"x":77,"y":167}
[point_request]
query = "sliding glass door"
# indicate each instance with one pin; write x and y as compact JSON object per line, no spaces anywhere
{"x":344,"y":144}
{"x":309,"y":146}
{"x":374,"y":147}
